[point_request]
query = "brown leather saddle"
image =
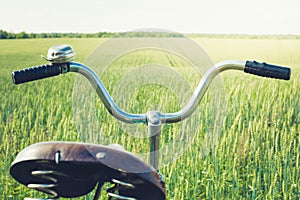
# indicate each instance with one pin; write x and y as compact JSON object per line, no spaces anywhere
{"x":68,"y":169}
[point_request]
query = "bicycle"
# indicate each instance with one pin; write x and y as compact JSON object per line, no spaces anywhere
{"x":69,"y":169}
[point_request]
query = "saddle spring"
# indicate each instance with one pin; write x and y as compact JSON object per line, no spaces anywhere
{"x":48,"y":187}
{"x":119,"y":185}
{"x":51,"y":182}
{"x":113,"y":192}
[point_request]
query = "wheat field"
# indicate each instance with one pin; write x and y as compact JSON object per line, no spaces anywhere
{"x":257,"y":153}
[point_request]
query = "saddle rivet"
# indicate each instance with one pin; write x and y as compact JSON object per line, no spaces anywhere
{"x":100,"y":155}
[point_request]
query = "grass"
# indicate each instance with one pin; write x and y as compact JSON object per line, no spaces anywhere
{"x":256,"y":156}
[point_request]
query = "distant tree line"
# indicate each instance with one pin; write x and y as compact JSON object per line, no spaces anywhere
{"x":24,"y":35}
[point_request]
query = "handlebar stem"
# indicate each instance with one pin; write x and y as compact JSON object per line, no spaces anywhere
{"x":154,"y":130}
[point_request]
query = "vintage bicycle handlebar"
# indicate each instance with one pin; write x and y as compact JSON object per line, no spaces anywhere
{"x":54,"y":69}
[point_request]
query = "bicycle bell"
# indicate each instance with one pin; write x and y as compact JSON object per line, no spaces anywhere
{"x":61,"y":53}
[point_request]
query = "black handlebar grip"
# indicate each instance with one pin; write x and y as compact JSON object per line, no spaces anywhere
{"x":267,"y":70}
{"x":35,"y":73}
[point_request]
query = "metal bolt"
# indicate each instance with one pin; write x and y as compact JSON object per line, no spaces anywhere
{"x":100,"y":155}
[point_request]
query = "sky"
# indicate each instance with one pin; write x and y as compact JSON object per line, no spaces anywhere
{"x":184,"y":16}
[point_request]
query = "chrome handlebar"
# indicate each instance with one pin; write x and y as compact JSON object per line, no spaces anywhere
{"x":61,"y":56}
{"x":131,"y":118}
